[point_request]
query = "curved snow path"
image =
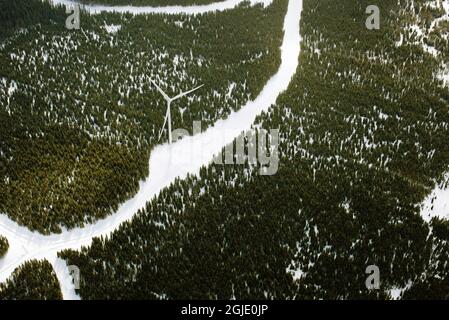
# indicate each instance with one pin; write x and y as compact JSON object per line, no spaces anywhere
{"x":167,"y":162}
{"x":198,"y":9}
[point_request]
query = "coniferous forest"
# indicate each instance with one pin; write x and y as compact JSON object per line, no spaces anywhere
{"x":363,"y":141}
{"x":84,"y":117}
{"x":150,"y":2}
{"x":34,"y":280}
{"x":4,"y":245}
{"x":23,"y":13}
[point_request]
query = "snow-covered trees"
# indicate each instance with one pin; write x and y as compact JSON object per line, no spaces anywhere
{"x":34,"y":280}
{"x":150,"y":2}
{"x":363,"y":138}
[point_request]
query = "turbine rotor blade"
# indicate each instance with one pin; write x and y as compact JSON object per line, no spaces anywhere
{"x":162,"y":129}
{"x":161,"y":91}
{"x":182,"y":94}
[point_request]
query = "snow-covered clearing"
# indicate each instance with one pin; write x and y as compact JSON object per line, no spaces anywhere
{"x":218,"y":6}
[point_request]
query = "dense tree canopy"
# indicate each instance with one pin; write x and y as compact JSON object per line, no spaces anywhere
{"x":23,"y":13}
{"x":34,"y":280}
{"x":364,"y":127}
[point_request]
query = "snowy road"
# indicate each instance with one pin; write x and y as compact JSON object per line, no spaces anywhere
{"x":218,"y":6}
{"x":167,"y":162}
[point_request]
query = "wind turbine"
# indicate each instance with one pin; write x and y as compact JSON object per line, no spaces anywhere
{"x":168,"y":114}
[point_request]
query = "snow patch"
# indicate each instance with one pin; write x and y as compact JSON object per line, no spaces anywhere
{"x":164,"y":169}
{"x":199,"y":9}
{"x":113,"y":28}
{"x":437,"y":202}
{"x":396,"y":292}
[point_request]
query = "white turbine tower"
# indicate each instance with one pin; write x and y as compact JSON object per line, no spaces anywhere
{"x":168,"y":114}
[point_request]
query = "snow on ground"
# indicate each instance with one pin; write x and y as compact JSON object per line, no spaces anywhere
{"x":396,"y":292}
{"x":420,"y":32}
{"x":12,"y":88}
{"x":437,"y":203}
{"x":295,"y":272}
{"x":66,"y":281}
{"x":218,"y":6}
{"x":113,"y":28}
{"x":445,"y":17}
{"x":167,"y":162}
